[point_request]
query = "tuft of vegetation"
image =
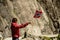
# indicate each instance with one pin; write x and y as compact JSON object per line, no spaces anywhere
{"x":3,"y":2}
{"x":58,"y":38}
{"x":46,"y":38}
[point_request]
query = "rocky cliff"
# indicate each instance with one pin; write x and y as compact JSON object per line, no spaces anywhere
{"x":24,"y":11}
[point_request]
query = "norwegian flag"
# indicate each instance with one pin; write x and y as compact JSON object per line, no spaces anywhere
{"x":37,"y":14}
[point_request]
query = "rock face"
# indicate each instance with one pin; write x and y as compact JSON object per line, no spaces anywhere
{"x":24,"y":11}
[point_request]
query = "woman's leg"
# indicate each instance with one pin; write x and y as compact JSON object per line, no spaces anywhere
{"x":14,"y":38}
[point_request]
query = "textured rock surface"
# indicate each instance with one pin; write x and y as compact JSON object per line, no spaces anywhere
{"x":24,"y":11}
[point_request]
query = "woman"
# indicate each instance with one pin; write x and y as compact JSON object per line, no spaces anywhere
{"x":15,"y":28}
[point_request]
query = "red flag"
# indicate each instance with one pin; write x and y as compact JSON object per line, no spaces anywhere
{"x":37,"y":14}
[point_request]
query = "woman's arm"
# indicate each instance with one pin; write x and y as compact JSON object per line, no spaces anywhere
{"x":24,"y":25}
{"x":21,"y":25}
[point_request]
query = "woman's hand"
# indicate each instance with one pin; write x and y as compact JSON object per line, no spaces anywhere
{"x":29,"y":22}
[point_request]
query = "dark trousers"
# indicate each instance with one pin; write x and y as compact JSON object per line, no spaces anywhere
{"x":14,"y":38}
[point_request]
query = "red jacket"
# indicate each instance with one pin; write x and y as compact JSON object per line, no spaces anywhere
{"x":15,"y":29}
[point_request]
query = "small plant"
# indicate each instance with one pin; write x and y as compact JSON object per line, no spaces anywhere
{"x":46,"y":38}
